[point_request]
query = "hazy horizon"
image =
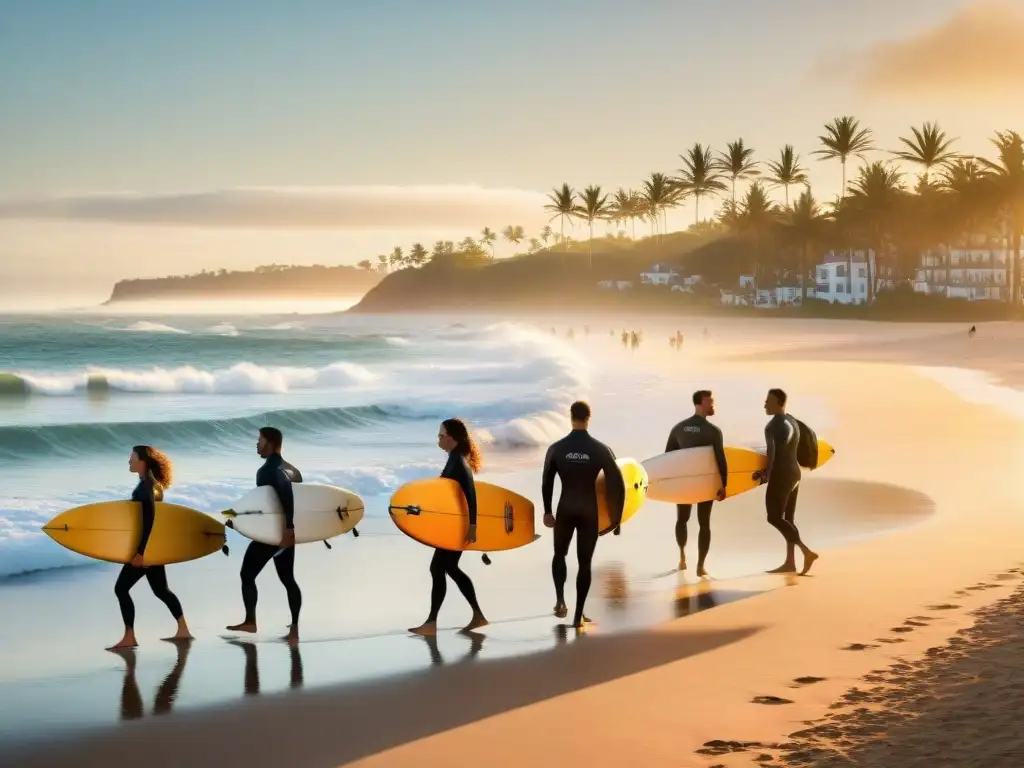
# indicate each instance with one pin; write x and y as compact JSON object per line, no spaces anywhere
{"x":143,"y":142}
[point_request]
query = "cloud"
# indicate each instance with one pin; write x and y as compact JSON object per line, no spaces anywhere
{"x":369,"y":207}
{"x":978,"y":52}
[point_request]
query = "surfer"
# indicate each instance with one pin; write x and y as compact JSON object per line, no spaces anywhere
{"x":464,"y":459}
{"x":155,"y":474}
{"x":279,"y":475}
{"x":577,"y":459}
{"x":696,"y":432}
{"x":782,"y":437}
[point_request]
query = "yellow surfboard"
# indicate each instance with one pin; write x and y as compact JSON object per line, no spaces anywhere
{"x":110,"y":531}
{"x":434,"y":512}
{"x":825,"y":453}
{"x":635,"y":478}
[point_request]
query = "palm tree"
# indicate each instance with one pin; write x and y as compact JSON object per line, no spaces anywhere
{"x":699,"y":176}
{"x":396,"y":257}
{"x":487,"y":238}
{"x":1007,"y":181}
{"x":737,"y":163}
{"x":806,"y":225}
{"x":756,"y":218}
{"x":874,"y":207}
{"x":535,"y":245}
{"x":930,"y":147}
{"x":593,"y":205}
{"x":562,"y":206}
{"x":787,"y":170}
{"x":844,"y":138}
{"x":418,"y":255}
{"x":365,"y":264}
{"x":545,"y":234}
{"x":382,"y":263}
{"x":623,"y":205}
{"x":657,"y":197}
{"x":513,"y":234}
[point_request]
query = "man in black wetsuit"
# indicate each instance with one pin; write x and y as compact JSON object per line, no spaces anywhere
{"x":278,"y":474}
{"x":577,"y":459}
{"x":782,"y":437}
{"x":696,"y":432}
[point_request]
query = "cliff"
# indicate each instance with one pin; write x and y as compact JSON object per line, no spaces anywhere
{"x":264,"y":282}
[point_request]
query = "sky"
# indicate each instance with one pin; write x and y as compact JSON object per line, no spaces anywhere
{"x":140,"y":139}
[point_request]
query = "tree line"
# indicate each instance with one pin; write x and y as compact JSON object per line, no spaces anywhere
{"x":948,"y":199}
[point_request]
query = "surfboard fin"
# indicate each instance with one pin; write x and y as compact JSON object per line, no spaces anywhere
{"x":486,"y":560}
{"x":224,"y":549}
{"x":327,"y":544}
{"x":355,"y":532}
{"x":229,"y":524}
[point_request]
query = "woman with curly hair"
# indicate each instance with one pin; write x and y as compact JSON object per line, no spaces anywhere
{"x":155,"y":475}
{"x":464,"y":460}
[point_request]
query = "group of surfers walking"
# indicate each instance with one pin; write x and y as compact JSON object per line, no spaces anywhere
{"x":577,"y":459}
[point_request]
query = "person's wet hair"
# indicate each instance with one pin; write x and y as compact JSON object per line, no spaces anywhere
{"x":779,"y":395}
{"x":464,"y":442}
{"x":699,"y":395}
{"x":273,"y":436}
{"x":579,"y":411}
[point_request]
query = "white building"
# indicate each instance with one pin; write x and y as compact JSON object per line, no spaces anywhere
{"x":660,"y":274}
{"x":832,"y":282}
{"x":779,"y":296}
{"x":975,"y":274}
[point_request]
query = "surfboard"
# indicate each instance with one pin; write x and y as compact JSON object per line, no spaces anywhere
{"x":110,"y":531}
{"x":434,"y":512}
{"x":321,"y":512}
{"x":635,"y":478}
{"x":691,"y":475}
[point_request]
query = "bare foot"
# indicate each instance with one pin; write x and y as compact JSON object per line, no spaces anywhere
{"x":561,"y":611}
{"x":682,"y":562}
{"x":809,"y":558}
{"x":583,"y":623}
{"x":126,"y":652}
{"x":426,"y":629}
{"x":702,"y":572}
{"x":179,"y":639}
{"x":784,"y":568}
{"x":292,"y":638}
{"x":243,"y":627}
{"x":125,"y":643}
{"x":475,"y":623}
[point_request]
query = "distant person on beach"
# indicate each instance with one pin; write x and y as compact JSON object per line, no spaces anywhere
{"x":782,"y":438}
{"x":155,"y":474}
{"x":464,"y":460}
{"x":634,"y":340}
{"x":972,"y":332}
{"x":625,"y":339}
{"x":279,"y":475}
{"x":577,"y":459}
{"x":696,"y":432}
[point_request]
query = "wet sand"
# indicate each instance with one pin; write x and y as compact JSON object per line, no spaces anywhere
{"x":674,"y":683}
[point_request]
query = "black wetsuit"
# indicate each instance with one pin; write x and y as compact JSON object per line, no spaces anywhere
{"x":782,"y":436}
{"x":278,"y":474}
{"x":577,"y":459}
{"x":445,"y":561}
{"x":156,"y":575}
{"x":697,"y":432}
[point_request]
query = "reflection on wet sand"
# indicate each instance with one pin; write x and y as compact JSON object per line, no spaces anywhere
{"x":476,"y":644}
{"x":251,"y":679}
{"x":131,"y":698}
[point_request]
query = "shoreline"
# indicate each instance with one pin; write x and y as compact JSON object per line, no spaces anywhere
{"x":869,"y":603}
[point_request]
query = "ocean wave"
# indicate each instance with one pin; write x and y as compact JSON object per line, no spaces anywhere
{"x":223,"y":329}
{"x":23,"y":443}
{"x":241,"y":378}
{"x":145,"y":326}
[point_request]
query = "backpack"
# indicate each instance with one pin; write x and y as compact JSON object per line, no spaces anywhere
{"x":807,"y":446}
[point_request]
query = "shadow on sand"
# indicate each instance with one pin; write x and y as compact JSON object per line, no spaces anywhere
{"x":333,"y":726}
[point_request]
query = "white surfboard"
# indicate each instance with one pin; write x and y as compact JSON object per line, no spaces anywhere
{"x":691,"y":475}
{"x":321,"y":512}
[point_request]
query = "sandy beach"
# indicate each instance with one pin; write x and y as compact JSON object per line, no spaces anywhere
{"x":871,"y":660}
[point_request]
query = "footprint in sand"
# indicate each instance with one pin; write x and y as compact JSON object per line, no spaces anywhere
{"x":859,"y":647}
{"x":891,"y":640}
{"x":943,"y":607}
{"x":921,"y":618}
{"x":1008,"y":576}
{"x":902,"y":629}
{"x":809,"y":680}
{"x":769,"y":700}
